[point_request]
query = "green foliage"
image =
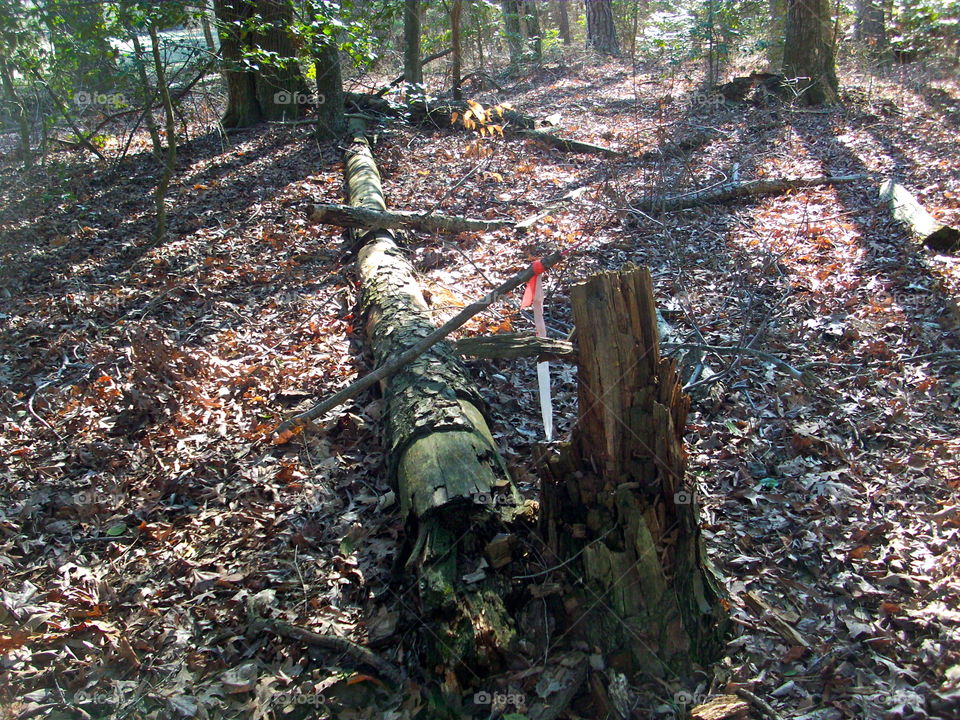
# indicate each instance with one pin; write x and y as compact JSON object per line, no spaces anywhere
{"x":921,"y":25}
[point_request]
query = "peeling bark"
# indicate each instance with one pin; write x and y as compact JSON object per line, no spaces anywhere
{"x":440,"y":451}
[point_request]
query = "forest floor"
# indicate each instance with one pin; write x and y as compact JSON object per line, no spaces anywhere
{"x":144,"y":510}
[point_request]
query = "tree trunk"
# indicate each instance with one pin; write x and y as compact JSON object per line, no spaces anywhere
{"x":615,"y":508}
{"x":735,"y":189}
{"x":281,"y":87}
{"x":870,"y":30}
{"x":512,"y":31}
{"x":330,"y":119}
{"x":277,"y":89}
{"x":564,"y":21}
{"x":776,"y":23}
{"x":534,"y":39}
{"x":601,"y":32}
{"x":456,"y":10}
{"x":412,"y":69}
{"x":449,"y":474}
{"x":148,"y":93}
{"x":808,"y":51}
{"x":16,"y":107}
{"x":243,"y":109}
{"x":170,"y":161}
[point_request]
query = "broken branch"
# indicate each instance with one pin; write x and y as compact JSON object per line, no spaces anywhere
{"x":732,"y":190}
{"x":391,"y":367}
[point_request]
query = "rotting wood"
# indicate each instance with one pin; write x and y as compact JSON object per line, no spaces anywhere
{"x":615,"y":511}
{"x":453,"y":486}
{"x":367,"y":218}
{"x":570,"y":145}
{"x":920,"y":223}
{"x":512,"y":346}
{"x":733,"y":190}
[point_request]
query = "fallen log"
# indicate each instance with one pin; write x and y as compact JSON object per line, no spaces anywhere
{"x":440,"y":452}
{"x":616,"y":514}
{"x":920,"y":223}
{"x":733,"y":190}
{"x":570,"y":145}
{"x":369,"y":219}
{"x":511,"y":346}
{"x":444,"y":114}
{"x":739,"y":88}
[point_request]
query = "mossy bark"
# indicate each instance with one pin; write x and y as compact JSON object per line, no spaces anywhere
{"x":452,"y":483}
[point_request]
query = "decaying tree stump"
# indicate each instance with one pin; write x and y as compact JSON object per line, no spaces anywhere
{"x":452,"y":483}
{"x":614,"y":504}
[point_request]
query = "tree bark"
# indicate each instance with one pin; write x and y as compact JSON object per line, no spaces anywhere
{"x":808,"y":53}
{"x":170,"y":161}
{"x":456,"y":11}
{"x":776,"y":24}
{"x":440,"y":452}
{"x":733,"y":190}
{"x":920,"y":223}
{"x":512,"y":30}
{"x":869,"y":29}
{"x":615,"y":508}
{"x":275,"y":91}
{"x":243,"y":109}
{"x":534,"y":38}
{"x":601,"y":31}
{"x":16,"y":106}
{"x":281,"y":87}
{"x":330,"y":119}
{"x":412,"y":68}
{"x":564,"y":24}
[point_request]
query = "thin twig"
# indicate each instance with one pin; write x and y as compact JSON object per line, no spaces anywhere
{"x":760,"y":703}
{"x":336,"y":644}
{"x":721,"y":350}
